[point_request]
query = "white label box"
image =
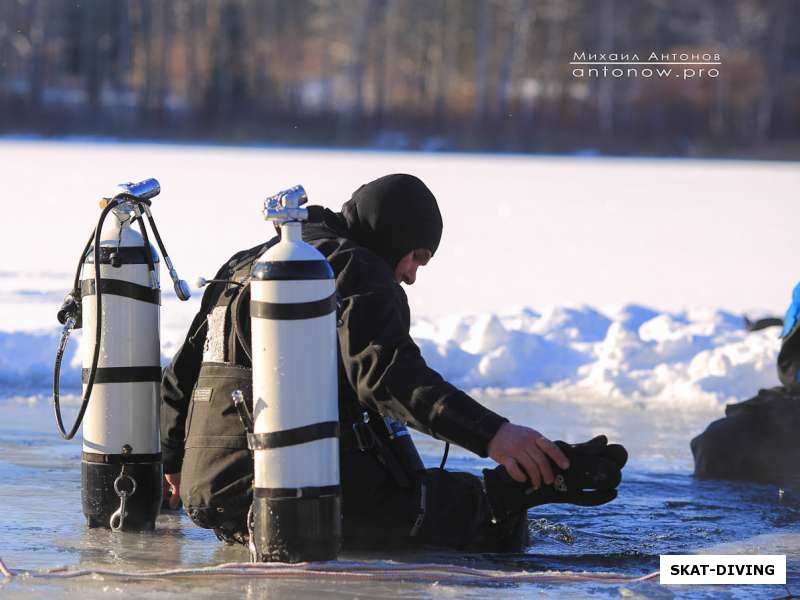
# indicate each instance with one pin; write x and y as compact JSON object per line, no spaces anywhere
{"x":687,"y":569}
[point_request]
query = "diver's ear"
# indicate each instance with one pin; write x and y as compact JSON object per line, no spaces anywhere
{"x":423,"y":256}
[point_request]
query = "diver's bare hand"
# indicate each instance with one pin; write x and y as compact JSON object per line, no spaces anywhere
{"x":172,"y":489}
{"x":524,"y":453}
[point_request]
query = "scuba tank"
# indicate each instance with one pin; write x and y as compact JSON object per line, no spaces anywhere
{"x":296,"y":510}
{"x":115,"y":299}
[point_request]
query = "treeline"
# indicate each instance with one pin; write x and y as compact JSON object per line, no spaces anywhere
{"x":434,"y":74}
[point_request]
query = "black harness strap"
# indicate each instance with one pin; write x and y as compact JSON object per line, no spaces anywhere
{"x":237,"y":344}
{"x":293,"y":310}
{"x":293,"y":437}
{"x":120,"y":459}
{"x":123,"y":374}
{"x":238,"y":325}
{"x":301,"y":492}
{"x":126,"y":255}
{"x":118,"y":287}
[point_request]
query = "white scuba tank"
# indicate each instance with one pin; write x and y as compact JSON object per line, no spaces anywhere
{"x":116,"y":300}
{"x":296,"y":497}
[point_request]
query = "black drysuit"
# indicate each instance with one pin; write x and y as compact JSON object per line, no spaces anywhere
{"x":387,"y":501}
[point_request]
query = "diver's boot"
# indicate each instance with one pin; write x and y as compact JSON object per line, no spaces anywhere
{"x":595,"y":471}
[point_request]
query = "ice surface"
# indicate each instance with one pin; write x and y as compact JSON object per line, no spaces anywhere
{"x":660,"y":509}
{"x":518,"y":231}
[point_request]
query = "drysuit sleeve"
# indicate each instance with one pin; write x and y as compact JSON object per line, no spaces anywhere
{"x":386,"y":369}
{"x":177,"y":383}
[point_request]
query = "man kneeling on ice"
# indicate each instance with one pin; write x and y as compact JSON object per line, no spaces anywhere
{"x":383,"y":234}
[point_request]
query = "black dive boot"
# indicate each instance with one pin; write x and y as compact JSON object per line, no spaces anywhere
{"x":595,"y":471}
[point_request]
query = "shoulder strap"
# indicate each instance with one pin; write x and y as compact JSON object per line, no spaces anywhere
{"x":239,"y":336}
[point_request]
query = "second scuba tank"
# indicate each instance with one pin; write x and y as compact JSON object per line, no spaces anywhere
{"x":116,"y":299}
{"x":296,"y":512}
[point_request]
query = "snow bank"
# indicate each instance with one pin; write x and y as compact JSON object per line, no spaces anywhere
{"x":628,"y":354}
{"x":634,"y":353}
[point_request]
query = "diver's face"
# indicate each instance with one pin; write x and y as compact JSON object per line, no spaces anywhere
{"x":406,"y":269}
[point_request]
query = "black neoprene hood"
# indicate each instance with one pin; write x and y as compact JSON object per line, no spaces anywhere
{"x":394,"y":215}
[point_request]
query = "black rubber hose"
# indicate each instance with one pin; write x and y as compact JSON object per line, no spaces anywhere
{"x":148,"y":252}
{"x":243,"y":296}
{"x":158,"y":235}
{"x":76,"y":282}
{"x":97,"y":337}
{"x":444,"y":456}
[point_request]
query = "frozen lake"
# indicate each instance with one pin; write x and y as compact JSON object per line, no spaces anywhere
{"x":518,"y":230}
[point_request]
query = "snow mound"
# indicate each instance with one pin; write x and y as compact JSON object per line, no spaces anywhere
{"x":629,"y":354}
{"x":635,"y":353}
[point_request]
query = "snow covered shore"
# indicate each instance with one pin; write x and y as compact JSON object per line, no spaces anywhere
{"x":632,"y":353}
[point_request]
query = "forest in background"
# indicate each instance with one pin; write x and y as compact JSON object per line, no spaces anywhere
{"x":487,"y":75}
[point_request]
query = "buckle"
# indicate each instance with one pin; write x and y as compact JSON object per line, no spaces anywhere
{"x":360,"y":431}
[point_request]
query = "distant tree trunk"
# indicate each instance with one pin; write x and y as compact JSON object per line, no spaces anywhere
{"x":216,"y":91}
{"x":482,"y":63}
{"x":774,"y":57}
{"x":548,"y":78}
{"x":162,"y":36}
{"x":605,"y":98}
{"x":89,"y":55}
{"x":426,"y":66}
{"x":379,"y":60}
{"x":364,"y":24}
{"x":718,"y":16}
{"x":144,"y":61}
{"x":387,"y":74}
{"x":121,"y":71}
{"x":446,"y":65}
{"x":40,"y":24}
{"x":522,"y":14}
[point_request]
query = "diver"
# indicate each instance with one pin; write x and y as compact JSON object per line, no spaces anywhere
{"x":383,"y":235}
{"x":757,"y":439}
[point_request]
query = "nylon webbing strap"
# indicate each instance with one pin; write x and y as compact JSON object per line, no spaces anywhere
{"x":234,"y":327}
{"x":118,"y":287}
{"x":126,"y":255}
{"x":285,"y":311}
{"x":292,"y":437}
{"x":123,"y":374}
{"x":301,"y":492}
{"x":120,"y":459}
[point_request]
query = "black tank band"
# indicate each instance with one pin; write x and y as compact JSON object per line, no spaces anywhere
{"x":120,"y":459}
{"x":118,"y":287}
{"x":301,"y":492}
{"x":126,"y":255}
{"x":123,"y":374}
{"x":292,"y":270}
{"x":286,"y":311}
{"x":293,"y":437}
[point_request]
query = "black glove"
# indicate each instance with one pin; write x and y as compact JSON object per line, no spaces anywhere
{"x":595,"y":471}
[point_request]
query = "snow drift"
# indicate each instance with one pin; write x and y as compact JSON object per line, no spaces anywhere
{"x":631,"y":353}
